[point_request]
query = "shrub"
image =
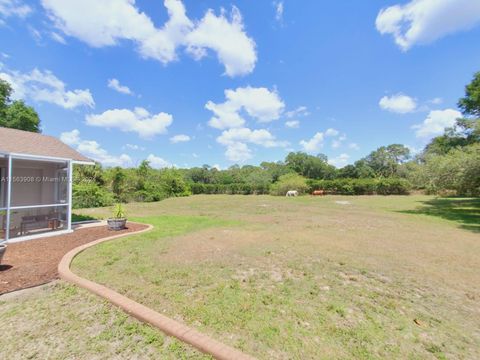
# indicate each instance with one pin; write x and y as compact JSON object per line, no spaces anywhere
{"x":456,"y":172}
{"x":149,"y":194}
{"x":173,"y":183}
{"x":90,"y":195}
{"x":289,"y":182}
{"x":387,"y":186}
{"x":230,"y":189}
{"x":393,"y":187}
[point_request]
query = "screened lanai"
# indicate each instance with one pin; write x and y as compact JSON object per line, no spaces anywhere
{"x":35,"y":185}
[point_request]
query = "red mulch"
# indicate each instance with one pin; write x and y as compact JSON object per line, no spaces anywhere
{"x":34,"y":262}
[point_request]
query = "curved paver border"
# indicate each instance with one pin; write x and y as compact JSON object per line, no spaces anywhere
{"x":143,"y":313}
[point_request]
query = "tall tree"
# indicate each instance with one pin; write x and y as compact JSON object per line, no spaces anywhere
{"x":275,"y":169}
{"x":465,"y":132}
{"x":16,"y":114}
{"x":118,"y":182}
{"x":5,"y":93}
{"x":143,"y":174}
{"x":89,"y":174}
{"x":348,"y":172}
{"x":313,"y":167}
{"x":363,"y":169}
{"x":385,"y":160}
{"x":470,"y":104}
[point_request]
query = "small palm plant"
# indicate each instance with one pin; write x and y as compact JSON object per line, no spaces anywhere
{"x":118,"y":220}
{"x":118,"y":211}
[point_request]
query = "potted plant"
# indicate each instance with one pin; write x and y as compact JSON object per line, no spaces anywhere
{"x":118,"y":220}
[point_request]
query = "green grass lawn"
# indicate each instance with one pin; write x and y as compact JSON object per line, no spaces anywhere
{"x":380,"y":277}
{"x":377,"y":277}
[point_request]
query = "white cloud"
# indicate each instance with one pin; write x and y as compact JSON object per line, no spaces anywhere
{"x":235,"y":50}
{"x":354,"y":146}
{"x":36,"y":34}
{"x":157,"y":162}
{"x":436,"y":101}
{"x":111,"y":21}
{"x":93,"y":150}
{"x":317,"y":141}
{"x":139,"y":120}
{"x":71,"y":137}
{"x":161,"y":44}
{"x":135,"y":147}
{"x":44,"y":86}
{"x":336,"y":144}
{"x":337,"y":140}
{"x":293,"y":124}
{"x":236,"y":141}
{"x":331,"y":132}
{"x":314,"y":144}
{"x":339,"y":161}
{"x":424,"y":21}
{"x":279,"y":8}
{"x":259,"y":103}
{"x":238,"y":152}
{"x":398,"y":103}
{"x":14,"y":8}
{"x":300,"y":111}
{"x":58,"y":38}
{"x":258,"y":137}
{"x":115,"y":85}
{"x":436,"y":122}
{"x":179,"y":138}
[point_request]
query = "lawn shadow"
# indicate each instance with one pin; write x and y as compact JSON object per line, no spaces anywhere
{"x":464,"y":211}
{"x":80,"y":218}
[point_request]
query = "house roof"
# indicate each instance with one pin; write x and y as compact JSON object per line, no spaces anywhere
{"x":29,"y":143}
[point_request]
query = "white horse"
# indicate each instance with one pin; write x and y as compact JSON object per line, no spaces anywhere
{"x":292,"y":193}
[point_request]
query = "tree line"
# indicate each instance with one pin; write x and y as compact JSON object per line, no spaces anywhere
{"x":448,"y":165}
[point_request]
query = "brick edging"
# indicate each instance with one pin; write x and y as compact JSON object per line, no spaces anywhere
{"x":143,"y":313}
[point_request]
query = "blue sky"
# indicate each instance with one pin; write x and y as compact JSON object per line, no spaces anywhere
{"x":224,"y":82}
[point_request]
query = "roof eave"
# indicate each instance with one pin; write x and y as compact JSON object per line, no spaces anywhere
{"x":78,"y":162}
{"x":45,"y":157}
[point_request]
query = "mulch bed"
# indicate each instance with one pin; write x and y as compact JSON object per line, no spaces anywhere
{"x":34,"y":262}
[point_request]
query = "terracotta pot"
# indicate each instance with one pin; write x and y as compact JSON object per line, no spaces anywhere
{"x":116,"y":224}
{"x":3,"y":248}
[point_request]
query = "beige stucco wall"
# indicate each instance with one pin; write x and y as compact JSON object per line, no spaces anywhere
{"x":31,"y":183}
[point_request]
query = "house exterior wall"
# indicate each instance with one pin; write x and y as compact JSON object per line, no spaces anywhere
{"x":37,"y":183}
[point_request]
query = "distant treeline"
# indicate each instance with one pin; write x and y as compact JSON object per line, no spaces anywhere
{"x":387,"y":186}
{"x":450,"y":164}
